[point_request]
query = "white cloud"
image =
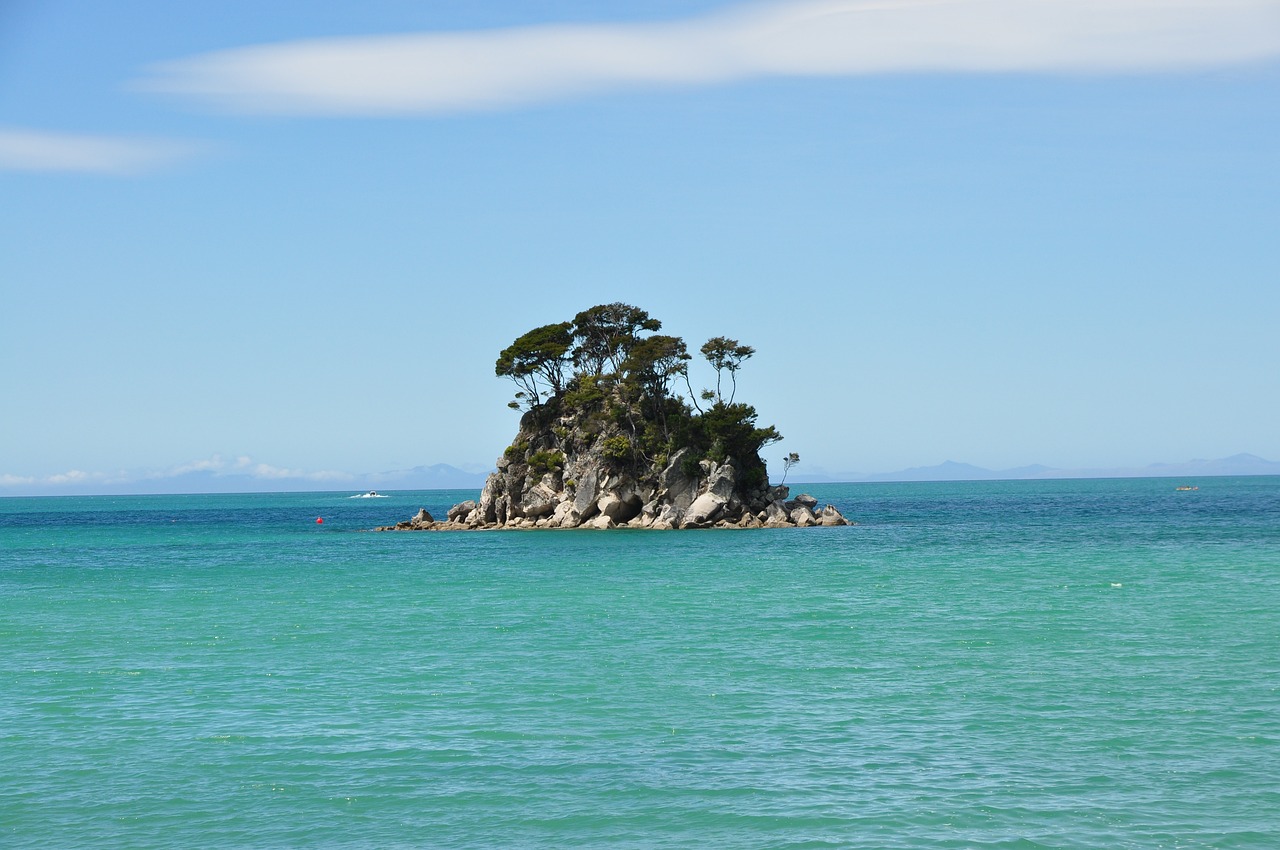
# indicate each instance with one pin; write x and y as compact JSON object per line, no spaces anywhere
{"x":75,"y":476}
{"x":274,"y":473}
{"x":446,"y":72}
{"x":219,"y":472}
{"x":35,"y":150}
{"x":213,"y":464}
{"x":243,"y":465}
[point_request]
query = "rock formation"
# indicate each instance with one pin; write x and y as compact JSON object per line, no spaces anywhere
{"x":587,"y":492}
{"x":611,"y":445}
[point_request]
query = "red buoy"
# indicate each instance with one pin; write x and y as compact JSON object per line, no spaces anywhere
{"x":319,"y":520}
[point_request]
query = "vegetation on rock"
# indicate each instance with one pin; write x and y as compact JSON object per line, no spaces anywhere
{"x":608,"y":438}
{"x":612,"y":375}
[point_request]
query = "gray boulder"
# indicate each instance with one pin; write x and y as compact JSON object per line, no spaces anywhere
{"x":586,"y":494}
{"x":704,"y":510}
{"x":802,"y":516}
{"x":831,"y":517}
{"x":459,"y":511}
{"x":540,"y":500}
{"x":679,"y":488}
{"x":723,"y":480}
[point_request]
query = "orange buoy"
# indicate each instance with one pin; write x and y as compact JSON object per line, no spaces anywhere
{"x":319,"y":520}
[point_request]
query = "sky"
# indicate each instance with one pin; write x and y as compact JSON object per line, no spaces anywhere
{"x":288,"y":240}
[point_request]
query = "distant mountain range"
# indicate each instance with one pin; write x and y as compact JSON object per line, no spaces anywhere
{"x":443,"y":476}
{"x":1241,"y":464}
{"x":223,"y":479}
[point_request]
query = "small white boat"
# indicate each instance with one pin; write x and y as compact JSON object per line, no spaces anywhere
{"x":372,"y":494}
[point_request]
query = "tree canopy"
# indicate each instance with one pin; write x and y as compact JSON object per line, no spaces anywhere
{"x":610,"y":363}
{"x":540,"y":353}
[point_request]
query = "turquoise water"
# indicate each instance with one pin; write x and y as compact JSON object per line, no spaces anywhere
{"x":1062,"y":664}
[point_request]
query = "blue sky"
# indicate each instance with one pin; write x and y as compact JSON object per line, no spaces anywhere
{"x":288,"y":240}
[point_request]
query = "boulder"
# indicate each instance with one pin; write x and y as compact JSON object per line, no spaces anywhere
{"x":831,"y":517}
{"x":723,"y":480}
{"x":585,"y":495}
{"x":802,"y":516}
{"x":651,"y":509}
{"x":564,"y":516}
{"x":806,"y":500}
{"x":670,"y":517}
{"x":461,"y":510}
{"x":678,"y":487}
{"x":777,"y":493}
{"x":704,"y":509}
{"x":777,"y":512}
{"x":541,"y":500}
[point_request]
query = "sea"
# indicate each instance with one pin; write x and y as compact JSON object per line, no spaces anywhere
{"x":1030,"y":664}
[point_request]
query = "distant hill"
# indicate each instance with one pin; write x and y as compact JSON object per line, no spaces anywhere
{"x":443,"y":476}
{"x":440,"y":476}
{"x":947,"y":471}
{"x":1240,"y":464}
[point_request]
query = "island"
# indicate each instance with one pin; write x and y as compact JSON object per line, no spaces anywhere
{"x":608,"y":439}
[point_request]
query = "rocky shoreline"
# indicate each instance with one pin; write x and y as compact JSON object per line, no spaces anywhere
{"x":711,"y":497}
{"x":608,"y":441}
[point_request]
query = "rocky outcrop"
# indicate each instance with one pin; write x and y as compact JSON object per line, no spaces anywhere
{"x":569,"y":475}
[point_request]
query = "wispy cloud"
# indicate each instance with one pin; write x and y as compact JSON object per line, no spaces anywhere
{"x":36,"y":150}
{"x":245,"y":466}
{"x":458,"y":71}
{"x":212,"y":473}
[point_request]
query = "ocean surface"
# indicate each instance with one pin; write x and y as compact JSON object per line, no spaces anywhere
{"x":1053,"y":664}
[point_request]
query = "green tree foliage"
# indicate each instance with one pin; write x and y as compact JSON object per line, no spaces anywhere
{"x":729,"y":431}
{"x":622,"y":383}
{"x":726,"y":355}
{"x":605,"y":334}
{"x":541,"y":353}
{"x":788,"y":462}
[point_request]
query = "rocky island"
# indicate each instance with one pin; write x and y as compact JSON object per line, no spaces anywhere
{"x":607,"y":438}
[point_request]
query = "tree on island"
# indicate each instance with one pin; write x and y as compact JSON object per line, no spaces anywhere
{"x":624,"y":373}
{"x":788,"y":462}
{"x":540,"y":353}
{"x":607,"y":439}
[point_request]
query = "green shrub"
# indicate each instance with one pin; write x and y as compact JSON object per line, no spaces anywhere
{"x":542,"y":462}
{"x":584,"y":394}
{"x":691,"y":465}
{"x":617,"y":447}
